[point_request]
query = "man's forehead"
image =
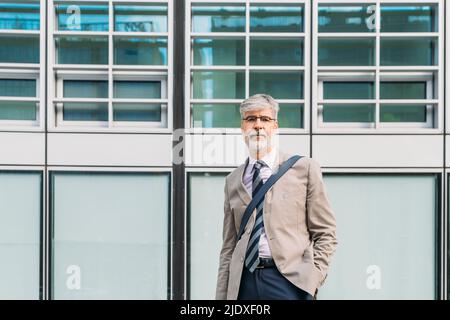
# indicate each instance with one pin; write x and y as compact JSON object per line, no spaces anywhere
{"x":262,"y":110}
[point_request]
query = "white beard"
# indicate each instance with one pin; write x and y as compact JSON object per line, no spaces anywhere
{"x":262,"y":146}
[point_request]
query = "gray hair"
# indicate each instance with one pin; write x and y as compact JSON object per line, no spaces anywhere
{"x":259,"y":101}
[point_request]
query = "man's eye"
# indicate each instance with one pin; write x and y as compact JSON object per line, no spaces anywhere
{"x":265,"y":119}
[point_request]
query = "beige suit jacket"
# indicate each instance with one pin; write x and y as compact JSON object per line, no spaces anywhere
{"x":299,"y":225}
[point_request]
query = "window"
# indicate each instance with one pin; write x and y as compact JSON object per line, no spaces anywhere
{"x":378,"y":66}
{"x":105,"y":54}
{"x":240,"y":49}
{"x":110,"y":235}
{"x":21,"y":67}
{"x":379,"y":234}
{"x":20,"y":220}
{"x":205,"y":232}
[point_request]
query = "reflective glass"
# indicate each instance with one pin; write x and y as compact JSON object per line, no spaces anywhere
{"x":346,"y":52}
{"x":218,"y":84}
{"x":20,"y":16}
{"x":348,"y":113}
{"x":82,"y":50}
{"x":403,"y":113}
{"x":218,"y":19}
{"x":82,"y":17}
{"x":290,"y":116}
{"x":225,"y":52}
{"x":18,"y":110}
{"x":410,"y":18}
{"x":403,"y":90}
{"x":132,"y":18}
{"x":20,"y":223}
{"x":85,"y":89}
{"x":136,"y":112}
{"x":137,"y":89}
{"x":140,"y":51}
{"x":270,"y":18}
{"x":85,"y":111}
{"x":110,"y":235}
{"x":17,"y":87}
{"x":348,"y":90}
{"x":408,"y":52}
{"x":216,"y":116}
{"x":347,"y":18}
{"x":19,"y":49}
{"x":280,"y":85}
{"x":276,"y":52}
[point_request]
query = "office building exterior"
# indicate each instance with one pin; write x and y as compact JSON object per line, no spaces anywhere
{"x":119,"y":121}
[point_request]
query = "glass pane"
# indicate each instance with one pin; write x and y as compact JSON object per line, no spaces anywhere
{"x":403,"y":113}
{"x":390,"y":227}
{"x":225,"y":52}
{"x":110,"y":235}
{"x":218,"y":84}
{"x":216,"y":116}
{"x":140,"y":51}
{"x":290,"y":116}
{"x":81,"y":17}
{"x":346,"y":52}
{"x":280,"y":85}
{"x":205,"y":232}
{"x":17,"y":88}
{"x":17,"y":110}
{"x":19,"y":49}
{"x":85,"y":89}
{"x":85,"y":111}
{"x":136,"y":112}
{"x":132,"y":18}
{"x":218,"y":19}
{"x":276,"y":52}
{"x":137,"y":89}
{"x":82,"y":50}
{"x":348,"y":113}
{"x":403,"y":90}
{"x":19,"y":16}
{"x":347,"y":18}
{"x":408,"y":52}
{"x":348,"y":90}
{"x":276,"y":18}
{"x":20,"y":220}
{"x":408,"y":18}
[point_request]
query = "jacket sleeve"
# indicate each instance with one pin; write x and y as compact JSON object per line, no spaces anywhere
{"x":320,"y":219}
{"x":229,"y":242}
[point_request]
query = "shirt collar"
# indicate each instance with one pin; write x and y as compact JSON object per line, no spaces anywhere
{"x":269,"y":159}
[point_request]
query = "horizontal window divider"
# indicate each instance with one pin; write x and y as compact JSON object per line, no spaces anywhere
{"x":137,"y":124}
{"x":20,"y":99}
{"x":214,"y":101}
{"x":276,"y":68}
{"x":407,"y":76}
{"x":19,"y":32}
{"x":278,"y":35}
{"x":382,"y":2}
{"x":81,"y":33}
{"x":81,"y":66}
{"x":409,"y":68}
{"x":81,"y":128}
{"x":138,"y":75}
{"x":19,"y":125}
{"x":20,"y":66}
{"x":348,"y":68}
{"x":140,"y":101}
{"x":219,"y":2}
{"x":382,"y":129}
{"x":141,"y":34}
{"x":82,"y":74}
{"x":346,"y":35}
{"x":139,"y":68}
{"x":408,"y":102}
{"x":346,"y":76}
{"x":218,"y":34}
{"x":347,"y":101}
{"x":19,"y":74}
{"x":82,"y":1}
{"x":409,"y":34}
{"x":223,"y":68}
{"x":80,"y":100}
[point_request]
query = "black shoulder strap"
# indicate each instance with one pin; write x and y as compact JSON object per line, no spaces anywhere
{"x":262,"y":192}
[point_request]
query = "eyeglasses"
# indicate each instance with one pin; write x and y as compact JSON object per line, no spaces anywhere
{"x":264,"y":119}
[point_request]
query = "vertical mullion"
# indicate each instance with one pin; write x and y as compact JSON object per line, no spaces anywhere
{"x":110,"y":62}
{"x":377,"y":63}
{"x":247,"y":48}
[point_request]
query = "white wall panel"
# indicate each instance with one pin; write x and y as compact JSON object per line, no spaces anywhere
{"x":22,"y":148}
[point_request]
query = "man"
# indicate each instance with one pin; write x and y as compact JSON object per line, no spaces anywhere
{"x":287,"y":244}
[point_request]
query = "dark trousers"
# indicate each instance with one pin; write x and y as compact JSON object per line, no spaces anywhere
{"x":269,"y":284}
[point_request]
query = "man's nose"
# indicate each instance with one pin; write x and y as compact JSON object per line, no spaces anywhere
{"x":258,"y":124}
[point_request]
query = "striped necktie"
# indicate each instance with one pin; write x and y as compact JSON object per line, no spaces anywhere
{"x":252,"y":255}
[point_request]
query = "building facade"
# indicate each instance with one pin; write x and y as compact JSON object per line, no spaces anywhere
{"x":119,"y":121}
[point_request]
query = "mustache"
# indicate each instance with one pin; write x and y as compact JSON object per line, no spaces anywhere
{"x":255,"y":133}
